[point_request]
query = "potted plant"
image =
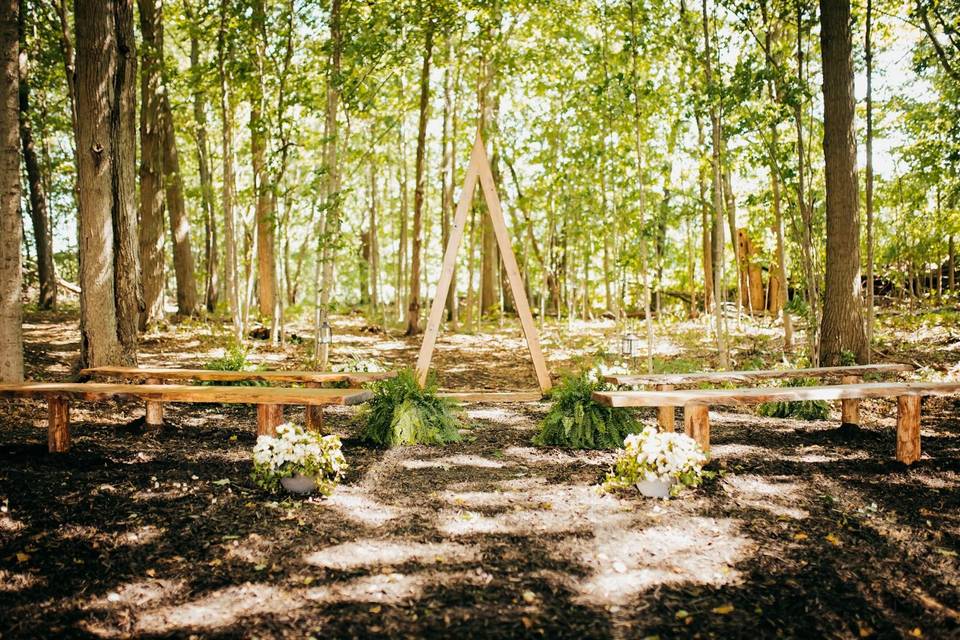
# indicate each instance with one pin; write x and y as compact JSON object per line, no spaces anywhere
{"x":300,"y":461}
{"x":659,"y":464}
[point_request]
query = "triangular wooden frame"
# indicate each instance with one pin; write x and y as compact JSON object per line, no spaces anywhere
{"x":479,"y":170}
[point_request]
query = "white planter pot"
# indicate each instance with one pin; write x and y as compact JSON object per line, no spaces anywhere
{"x":300,"y":484}
{"x":655,"y":488}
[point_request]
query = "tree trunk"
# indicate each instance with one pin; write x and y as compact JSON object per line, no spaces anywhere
{"x":842,"y":327}
{"x":374,"y":242}
{"x":39,"y":212}
{"x":151,"y":162}
{"x":224,"y":51}
{"x":413,"y":308}
{"x":266,"y":228}
{"x":11,"y":331}
{"x":448,"y":172}
{"x":183,"y":265}
{"x":489,"y":254}
{"x":705,"y":221}
{"x":211,"y":244}
{"x":868,"y":54}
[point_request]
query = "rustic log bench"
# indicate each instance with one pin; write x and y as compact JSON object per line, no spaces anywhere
{"x":159,"y":375}
{"x":696,"y":404}
{"x":850,"y":408}
{"x":269,"y":400}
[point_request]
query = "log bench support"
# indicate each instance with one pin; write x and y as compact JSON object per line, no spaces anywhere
{"x":58,"y":430}
{"x":908,"y":429}
{"x":154,"y":416}
{"x":850,"y":407}
{"x":666,"y":416}
{"x":314,"y":413}
{"x":696,"y":424}
{"x":268,"y":417}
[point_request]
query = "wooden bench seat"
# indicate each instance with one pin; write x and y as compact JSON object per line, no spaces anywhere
{"x":696,"y":404}
{"x":850,"y":408}
{"x":158,"y":375}
{"x":269,"y":400}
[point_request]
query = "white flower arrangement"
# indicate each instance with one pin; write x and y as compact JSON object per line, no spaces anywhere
{"x":653,"y":455}
{"x":294,"y":451}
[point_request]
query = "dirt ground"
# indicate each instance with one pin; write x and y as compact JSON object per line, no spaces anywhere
{"x":806,"y":533}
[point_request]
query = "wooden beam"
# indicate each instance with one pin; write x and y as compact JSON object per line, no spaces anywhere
{"x":449,"y":261}
{"x":154,"y":415}
{"x":203,"y":375}
{"x":745,"y":397}
{"x":908,"y":428}
{"x":666,"y":416}
{"x":754,"y":376}
{"x":696,"y":424}
{"x":850,"y":407}
{"x":492,"y":396}
{"x":268,"y":417}
{"x":513,"y":275}
{"x":314,"y":414}
{"x":58,"y":429}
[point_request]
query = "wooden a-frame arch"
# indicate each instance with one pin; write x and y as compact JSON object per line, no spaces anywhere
{"x":479,"y":170}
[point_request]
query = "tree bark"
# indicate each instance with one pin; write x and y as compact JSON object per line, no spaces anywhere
{"x":151,"y":162}
{"x":413,"y":308}
{"x":11,"y":332}
{"x":266,"y":227}
{"x":224,"y":51}
{"x":39,"y":212}
{"x":868,"y":54}
{"x":842,"y":326}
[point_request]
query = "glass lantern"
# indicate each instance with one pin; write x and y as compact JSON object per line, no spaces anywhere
{"x":326,"y":333}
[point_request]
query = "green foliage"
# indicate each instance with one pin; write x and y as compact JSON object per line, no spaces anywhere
{"x":402,"y":413}
{"x":653,"y":455}
{"x":235,"y":359}
{"x":577,"y":421}
{"x":293,"y":451}
{"x":803,"y":410}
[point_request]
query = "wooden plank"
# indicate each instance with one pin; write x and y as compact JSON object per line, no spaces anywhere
{"x":908,"y":429}
{"x":492,"y":396}
{"x":513,"y":275}
{"x":203,"y":375}
{"x":696,"y":424}
{"x":449,"y":260}
{"x":754,"y":376}
{"x":58,"y":428}
{"x":188,"y":393}
{"x":268,"y":417}
{"x":850,"y":407}
{"x":735,"y":397}
{"x":666,"y":416}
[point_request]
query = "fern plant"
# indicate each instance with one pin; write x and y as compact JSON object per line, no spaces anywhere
{"x":577,"y":421}
{"x":401,"y":412}
{"x":234,"y":359}
{"x":801,"y":410}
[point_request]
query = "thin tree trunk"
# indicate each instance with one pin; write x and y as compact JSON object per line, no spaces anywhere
{"x":224,"y":51}
{"x":806,"y":215}
{"x":868,"y":53}
{"x":705,"y":221}
{"x":374,"y":242}
{"x":413,"y":308}
{"x":39,"y":212}
{"x":266,"y":226}
{"x":842,"y":328}
{"x":11,"y":331}
{"x":151,"y":239}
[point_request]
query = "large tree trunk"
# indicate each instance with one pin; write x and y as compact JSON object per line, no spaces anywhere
{"x":151,"y":161}
{"x":842,"y":327}
{"x":266,"y":228}
{"x":413,"y":308}
{"x":183,"y":265}
{"x":224,"y":51}
{"x":11,"y":336}
{"x":39,"y":212}
{"x":106,"y":189}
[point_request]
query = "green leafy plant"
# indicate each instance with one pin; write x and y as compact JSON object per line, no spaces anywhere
{"x":577,"y":421}
{"x":296,"y":451}
{"x":802,"y":410}
{"x":235,"y":358}
{"x":652,"y":455}
{"x":401,"y":412}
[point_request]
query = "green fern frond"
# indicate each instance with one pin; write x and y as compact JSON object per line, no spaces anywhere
{"x":402,"y":413}
{"x":576,"y":421}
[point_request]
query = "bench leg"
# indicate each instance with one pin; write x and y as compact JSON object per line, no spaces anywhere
{"x":850,"y":408}
{"x":314,"y":413}
{"x":665,"y":415}
{"x":908,"y":429}
{"x":696,"y":423}
{"x":268,"y":417}
{"x":58,"y":430}
{"x":154,"y":417}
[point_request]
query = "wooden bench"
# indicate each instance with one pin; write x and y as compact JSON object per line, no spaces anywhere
{"x":269,"y":400}
{"x":159,"y":375}
{"x":850,"y":408}
{"x":696,"y":404}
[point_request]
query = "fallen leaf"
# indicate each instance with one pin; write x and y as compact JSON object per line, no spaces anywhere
{"x":832,"y":539}
{"x":376,"y":609}
{"x":681,"y":614}
{"x":916,"y":632}
{"x":151,"y":572}
{"x":222,"y":481}
{"x":216,"y":562}
{"x":723,"y":609}
{"x":22,"y":557}
{"x":800,"y":536}
{"x":529,"y":596}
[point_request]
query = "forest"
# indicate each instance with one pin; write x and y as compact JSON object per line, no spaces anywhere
{"x":710,"y":208}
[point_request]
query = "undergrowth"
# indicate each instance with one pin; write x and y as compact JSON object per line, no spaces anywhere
{"x":802,"y":410}
{"x":235,"y":359}
{"x":401,"y":412}
{"x":577,"y":421}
